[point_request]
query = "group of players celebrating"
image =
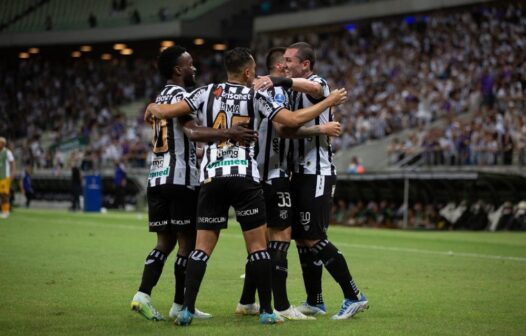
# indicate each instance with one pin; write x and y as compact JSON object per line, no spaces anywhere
{"x":267,"y":154}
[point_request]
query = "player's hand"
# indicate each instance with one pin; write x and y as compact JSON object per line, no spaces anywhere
{"x":332,"y":129}
{"x":262,"y":83}
{"x":242,"y":134}
{"x":155,"y":110}
{"x":148,"y":116}
{"x":337,"y":97}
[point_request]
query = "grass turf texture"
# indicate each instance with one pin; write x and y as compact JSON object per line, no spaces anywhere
{"x":75,"y":274}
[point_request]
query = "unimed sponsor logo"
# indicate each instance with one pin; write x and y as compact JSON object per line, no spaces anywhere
{"x":227,"y":163}
{"x":160,"y":173}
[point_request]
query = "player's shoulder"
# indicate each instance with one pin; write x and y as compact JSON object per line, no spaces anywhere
{"x":317,"y":78}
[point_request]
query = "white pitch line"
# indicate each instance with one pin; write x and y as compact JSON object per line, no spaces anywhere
{"x":442,"y":253}
{"x":340,"y":243}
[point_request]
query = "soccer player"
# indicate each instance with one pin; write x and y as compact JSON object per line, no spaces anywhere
{"x":312,"y":186}
{"x":7,"y":173}
{"x":229,"y":173}
{"x":273,"y":149}
{"x":173,"y":183}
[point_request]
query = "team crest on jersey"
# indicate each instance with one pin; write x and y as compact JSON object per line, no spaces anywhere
{"x":279,"y":98}
{"x":283,"y":214}
{"x":218,"y":92}
{"x":305,"y":220}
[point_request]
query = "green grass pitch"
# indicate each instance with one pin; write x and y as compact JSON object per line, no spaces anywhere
{"x":75,"y":274}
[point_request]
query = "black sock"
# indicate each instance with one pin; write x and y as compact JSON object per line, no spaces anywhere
{"x":153,"y":267}
{"x":335,"y":263}
{"x":312,"y":269}
{"x":278,"y":254}
{"x":259,"y":269}
{"x":195,"y":271}
{"x":180,"y":275}
{"x":248,"y":295}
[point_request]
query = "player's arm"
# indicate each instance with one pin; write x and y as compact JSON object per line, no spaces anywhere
{"x":332,"y":129}
{"x":298,"y":118}
{"x":167,"y":111}
{"x":313,"y":89}
{"x":12,"y":166}
{"x":238,"y":133}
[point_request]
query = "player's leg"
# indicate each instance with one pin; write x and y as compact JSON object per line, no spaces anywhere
{"x":195,"y":272}
{"x":303,"y":200}
{"x":159,"y":222}
{"x":212,"y":216}
{"x":247,"y":303}
{"x":249,"y":205}
{"x":184,"y":210}
{"x":332,"y":258}
{"x":5,"y":186}
{"x":279,"y":218}
{"x":186,"y":240}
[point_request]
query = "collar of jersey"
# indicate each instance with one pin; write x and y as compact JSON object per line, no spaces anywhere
{"x":230,"y":83}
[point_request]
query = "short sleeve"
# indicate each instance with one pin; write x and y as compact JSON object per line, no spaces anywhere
{"x":10,"y":156}
{"x":324,"y":86}
{"x":196,"y":98}
{"x":266,"y":106}
{"x":178,"y":97}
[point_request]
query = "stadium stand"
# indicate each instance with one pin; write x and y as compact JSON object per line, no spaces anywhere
{"x":438,"y":88}
{"x":75,"y":14}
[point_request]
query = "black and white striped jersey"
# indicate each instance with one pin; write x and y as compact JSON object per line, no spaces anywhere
{"x":174,"y":159}
{"x":221,"y":106}
{"x":272,"y":151}
{"x":313,"y":155}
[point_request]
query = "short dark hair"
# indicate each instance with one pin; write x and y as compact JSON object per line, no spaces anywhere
{"x":168,"y":59}
{"x":273,"y":56}
{"x":236,"y":59}
{"x":305,"y":52}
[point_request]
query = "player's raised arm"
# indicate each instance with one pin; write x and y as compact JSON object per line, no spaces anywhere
{"x":166,"y":111}
{"x":300,"y":117}
{"x":332,"y":129}
{"x":312,"y":88}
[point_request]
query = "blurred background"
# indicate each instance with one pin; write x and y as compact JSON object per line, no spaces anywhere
{"x":435,"y":124}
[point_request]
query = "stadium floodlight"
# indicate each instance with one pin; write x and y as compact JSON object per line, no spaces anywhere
{"x":219,"y":46}
{"x":199,"y":41}
{"x":76,"y":54}
{"x":86,"y":48}
{"x":126,"y":51}
{"x":23,"y":55}
{"x":34,"y":50}
{"x":106,"y":57}
{"x":166,"y":44}
{"x":119,"y":46}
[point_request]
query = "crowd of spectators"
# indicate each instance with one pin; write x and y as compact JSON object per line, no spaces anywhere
{"x":400,"y":73}
{"x":407,"y":72}
{"x":463,"y":216}
{"x":490,"y":138}
{"x":47,"y":103}
{"x":268,"y":7}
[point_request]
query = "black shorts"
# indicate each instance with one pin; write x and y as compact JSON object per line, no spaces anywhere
{"x":278,"y":202}
{"x":171,"y":207}
{"x":312,"y":197}
{"x":216,"y":197}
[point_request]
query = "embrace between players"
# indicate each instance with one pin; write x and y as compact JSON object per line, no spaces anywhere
{"x":267,"y":154}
